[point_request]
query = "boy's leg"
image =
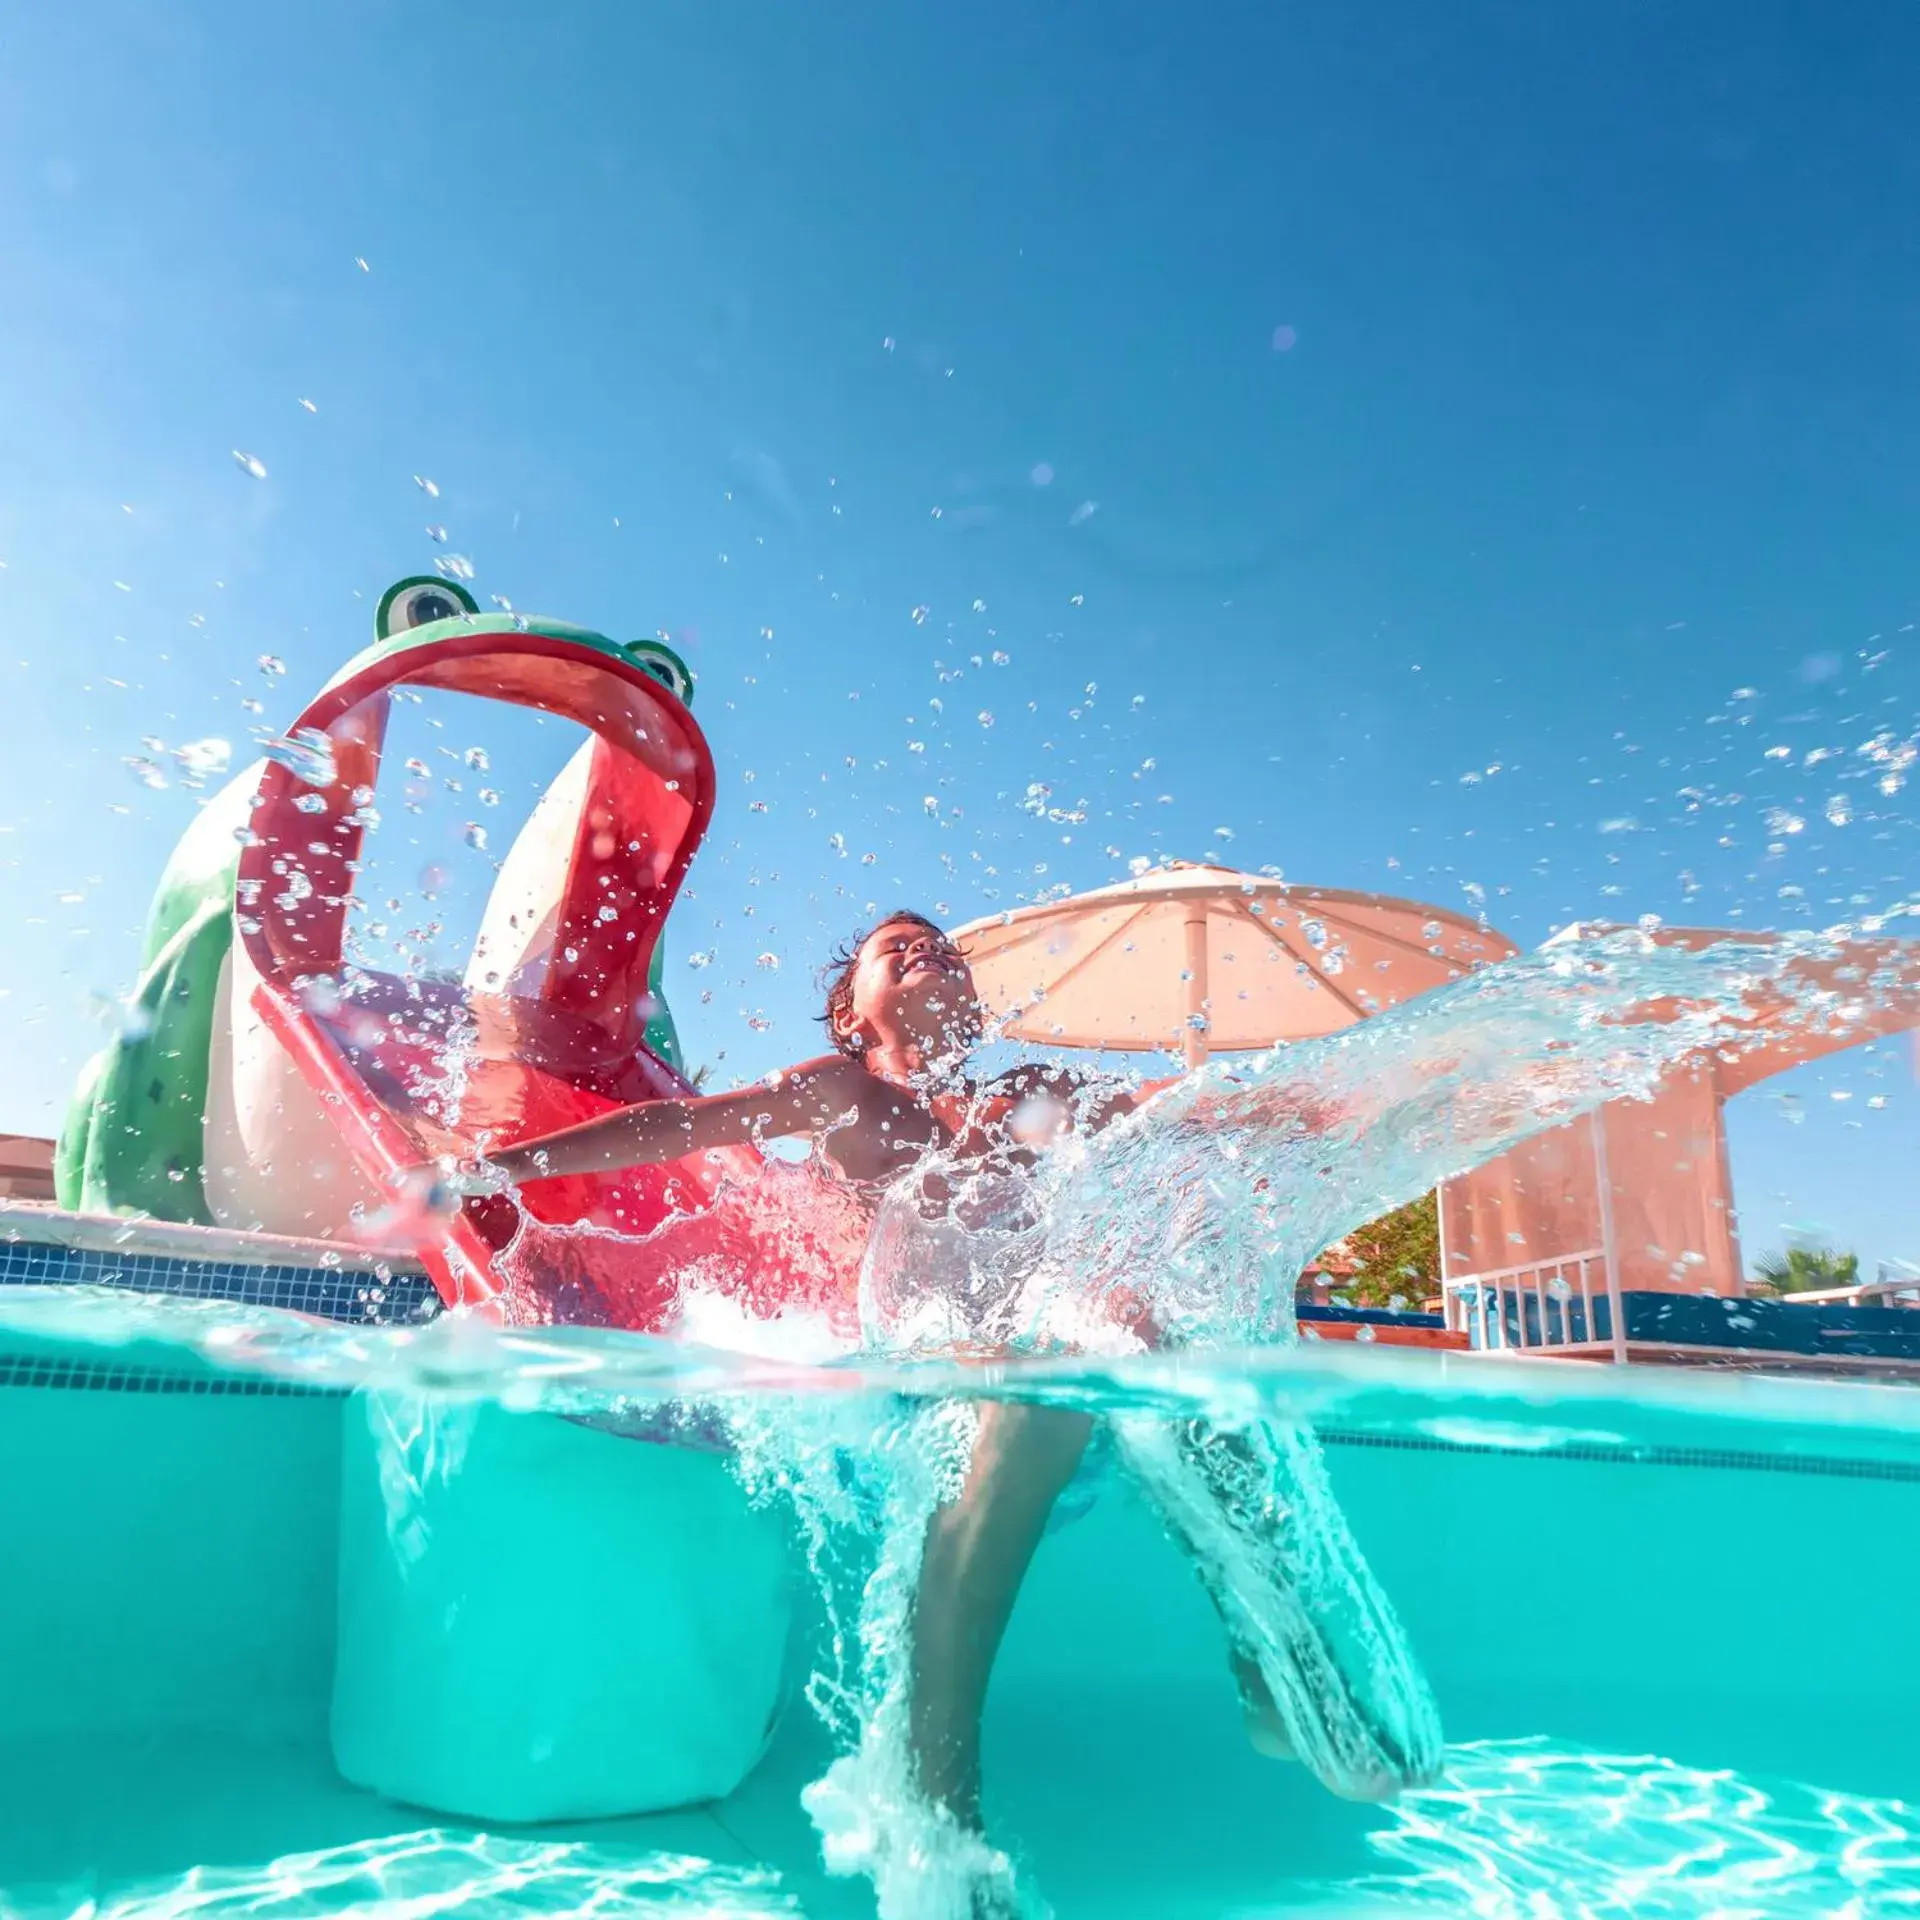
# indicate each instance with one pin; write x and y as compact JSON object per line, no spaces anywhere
{"x":977,"y":1553}
{"x":1253,"y":1510}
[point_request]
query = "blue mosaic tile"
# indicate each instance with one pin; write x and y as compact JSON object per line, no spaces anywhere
{"x":114,"y":1376}
{"x":360,"y":1298}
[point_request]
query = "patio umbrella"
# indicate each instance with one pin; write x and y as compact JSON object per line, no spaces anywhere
{"x":1206,"y":960}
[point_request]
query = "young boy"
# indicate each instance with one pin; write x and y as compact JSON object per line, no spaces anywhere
{"x":941,"y":1157}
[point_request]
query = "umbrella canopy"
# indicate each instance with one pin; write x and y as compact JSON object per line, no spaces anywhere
{"x":1207,"y":960}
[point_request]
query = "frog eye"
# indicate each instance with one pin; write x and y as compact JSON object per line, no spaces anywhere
{"x":418,"y":603}
{"x":664,"y":665}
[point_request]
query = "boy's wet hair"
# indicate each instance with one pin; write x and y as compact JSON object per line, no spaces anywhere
{"x":837,"y":977}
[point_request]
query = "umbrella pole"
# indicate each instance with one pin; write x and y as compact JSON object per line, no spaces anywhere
{"x":1193,"y":1035}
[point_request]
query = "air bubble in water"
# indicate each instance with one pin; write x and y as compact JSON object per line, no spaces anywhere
{"x":147,"y":772}
{"x":769,"y":961}
{"x":606,"y":916}
{"x":426,"y":486}
{"x":271,"y":665}
{"x":248,"y":463}
{"x":487,"y":796}
{"x":454,"y":566}
{"x":476,"y":836}
{"x":436,"y":533}
{"x":920,"y":616}
{"x":698,"y":960}
{"x":1839,"y":810}
{"x":985,"y":717}
{"x":476,"y":758}
{"x":310,"y":803}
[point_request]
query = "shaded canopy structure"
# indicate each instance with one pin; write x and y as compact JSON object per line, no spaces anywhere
{"x":1641,"y":1191}
{"x":1203,"y":959}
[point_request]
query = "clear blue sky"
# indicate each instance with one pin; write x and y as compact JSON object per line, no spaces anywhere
{"x":1488,"y":386}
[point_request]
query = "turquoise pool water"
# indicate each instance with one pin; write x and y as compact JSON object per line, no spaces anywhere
{"x":1661,"y":1615}
{"x":396,"y":1619}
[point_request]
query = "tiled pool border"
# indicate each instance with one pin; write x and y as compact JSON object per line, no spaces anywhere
{"x":198,"y":1264}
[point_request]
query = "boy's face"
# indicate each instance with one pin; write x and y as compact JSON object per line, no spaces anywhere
{"x":911,"y":985}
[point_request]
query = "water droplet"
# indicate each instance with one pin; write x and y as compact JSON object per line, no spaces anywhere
{"x":920,"y":616}
{"x":1839,"y":810}
{"x":1078,"y":600}
{"x":476,"y":836}
{"x":204,"y":758}
{"x":426,"y":486}
{"x":307,"y":753}
{"x":698,"y":960}
{"x":476,"y":758}
{"x":770,"y":962}
{"x":487,"y":797}
{"x":985,"y":718}
{"x":607,"y":916}
{"x":248,"y":463}
{"x":1000,"y":659}
{"x":271,"y":665}
{"x":310,"y":803}
{"x":453,"y":566}
{"x":310,"y":407}
{"x":437,"y":533}
{"x":1223,"y":833}
{"x":359,"y":260}
{"x":147,"y":772}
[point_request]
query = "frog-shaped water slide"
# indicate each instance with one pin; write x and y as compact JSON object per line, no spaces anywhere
{"x":264,"y":1082}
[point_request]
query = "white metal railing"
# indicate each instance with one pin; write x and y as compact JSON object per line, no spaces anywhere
{"x":1476,"y":1304}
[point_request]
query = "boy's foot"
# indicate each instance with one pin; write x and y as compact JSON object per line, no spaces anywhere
{"x":1266,"y":1729}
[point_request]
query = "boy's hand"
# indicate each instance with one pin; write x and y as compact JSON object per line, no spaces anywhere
{"x":469,"y":1178}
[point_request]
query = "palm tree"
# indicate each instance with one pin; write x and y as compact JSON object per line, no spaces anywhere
{"x":1806,"y":1270}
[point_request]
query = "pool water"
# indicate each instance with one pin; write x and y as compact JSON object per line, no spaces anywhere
{"x":401,"y":1618}
{"x":1661,"y":1615}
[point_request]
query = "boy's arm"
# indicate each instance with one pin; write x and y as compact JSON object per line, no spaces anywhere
{"x":804,"y":1099}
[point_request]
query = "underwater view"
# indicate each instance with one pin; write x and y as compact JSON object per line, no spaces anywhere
{"x":964,"y":965}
